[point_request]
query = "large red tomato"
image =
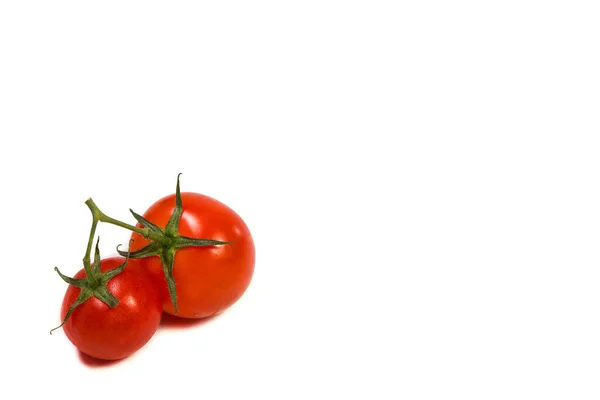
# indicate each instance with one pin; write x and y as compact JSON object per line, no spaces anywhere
{"x":207,"y":279}
{"x":114,"y":333}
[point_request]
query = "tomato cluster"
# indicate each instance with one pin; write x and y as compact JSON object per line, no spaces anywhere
{"x":189,"y":255}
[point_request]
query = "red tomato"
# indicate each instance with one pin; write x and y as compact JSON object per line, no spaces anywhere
{"x":207,"y":279}
{"x":114,"y":333}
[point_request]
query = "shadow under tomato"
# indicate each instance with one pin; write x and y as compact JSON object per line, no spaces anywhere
{"x":92,"y":362}
{"x":169,"y":321}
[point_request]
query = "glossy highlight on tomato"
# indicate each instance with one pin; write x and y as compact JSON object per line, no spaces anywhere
{"x":114,"y":333}
{"x":207,"y":279}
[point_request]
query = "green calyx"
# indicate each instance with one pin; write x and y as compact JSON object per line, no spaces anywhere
{"x":93,"y":284}
{"x":164,"y":242}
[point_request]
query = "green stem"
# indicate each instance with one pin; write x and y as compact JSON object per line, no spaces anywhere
{"x":100,"y":216}
{"x":86,"y":258}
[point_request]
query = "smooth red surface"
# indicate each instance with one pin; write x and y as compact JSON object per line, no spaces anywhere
{"x":114,"y":333}
{"x":207,"y":279}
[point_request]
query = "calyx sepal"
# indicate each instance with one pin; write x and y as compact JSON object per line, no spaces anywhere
{"x":93,"y":285}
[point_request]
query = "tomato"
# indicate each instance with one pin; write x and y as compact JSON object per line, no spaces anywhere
{"x":207,"y":279}
{"x":114,"y":333}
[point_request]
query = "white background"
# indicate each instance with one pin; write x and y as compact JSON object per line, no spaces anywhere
{"x":421,"y":179}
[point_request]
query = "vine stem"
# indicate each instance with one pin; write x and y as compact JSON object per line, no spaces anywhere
{"x":99,"y":216}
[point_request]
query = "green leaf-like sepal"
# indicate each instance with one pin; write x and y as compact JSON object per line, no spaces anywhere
{"x":102,"y":294}
{"x":184,"y":241}
{"x":145,"y":223}
{"x":152,"y":249}
{"x":80,"y":283}
{"x":108,"y":275}
{"x":172,"y":228}
{"x":96,"y":264}
{"x":82,"y":298}
{"x":168,"y":258}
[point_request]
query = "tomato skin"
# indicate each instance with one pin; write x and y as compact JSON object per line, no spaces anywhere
{"x":207,"y":279}
{"x":114,"y":333}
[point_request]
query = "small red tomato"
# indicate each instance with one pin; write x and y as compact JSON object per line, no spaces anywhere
{"x":114,"y":333}
{"x":207,"y":279}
